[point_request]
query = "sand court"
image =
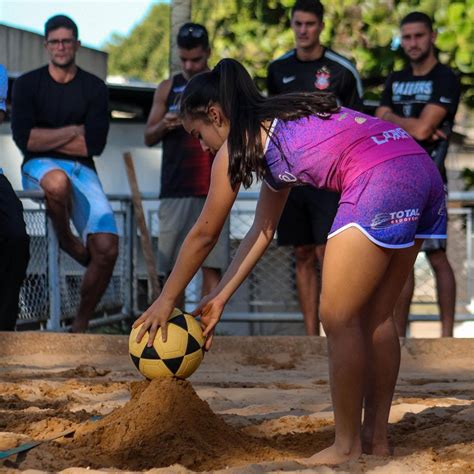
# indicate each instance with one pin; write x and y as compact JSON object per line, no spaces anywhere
{"x":256,"y":404}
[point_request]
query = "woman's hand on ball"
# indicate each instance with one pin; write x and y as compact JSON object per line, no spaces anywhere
{"x":210,"y":310}
{"x":156,"y":316}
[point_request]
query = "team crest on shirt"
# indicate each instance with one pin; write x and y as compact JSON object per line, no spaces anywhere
{"x":322,"y":78}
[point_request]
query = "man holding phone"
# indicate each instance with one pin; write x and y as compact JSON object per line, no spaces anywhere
{"x":186,"y":168}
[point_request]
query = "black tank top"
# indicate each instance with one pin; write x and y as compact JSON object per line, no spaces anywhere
{"x":186,"y":168}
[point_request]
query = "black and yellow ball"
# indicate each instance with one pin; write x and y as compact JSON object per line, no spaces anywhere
{"x":179,"y":356}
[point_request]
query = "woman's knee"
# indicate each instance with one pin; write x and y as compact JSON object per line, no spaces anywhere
{"x":335,"y":318}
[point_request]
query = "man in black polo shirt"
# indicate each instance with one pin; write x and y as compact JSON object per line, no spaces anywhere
{"x":309,"y":212}
{"x":60,"y":120}
{"x":423,"y":99}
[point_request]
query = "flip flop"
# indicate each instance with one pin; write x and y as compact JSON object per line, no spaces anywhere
{"x":32,"y":444}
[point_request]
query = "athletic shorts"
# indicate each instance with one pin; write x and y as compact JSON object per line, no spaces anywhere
{"x":176,"y":218}
{"x":431,"y":245}
{"x":307,"y":217}
{"x":91,"y":212}
{"x":395,"y":202}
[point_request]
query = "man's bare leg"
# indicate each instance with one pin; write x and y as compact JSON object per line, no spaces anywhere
{"x":446,"y":289}
{"x":402,"y":307}
{"x":308,"y":287}
{"x":103,"y":249}
{"x":210,"y":279}
{"x":58,"y":192}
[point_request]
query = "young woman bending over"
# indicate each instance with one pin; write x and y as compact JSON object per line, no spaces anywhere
{"x":391,"y":198}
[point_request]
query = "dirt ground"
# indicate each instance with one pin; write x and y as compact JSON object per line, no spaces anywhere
{"x":255,"y":405}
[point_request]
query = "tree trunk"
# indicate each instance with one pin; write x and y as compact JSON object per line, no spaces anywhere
{"x":180,"y":14}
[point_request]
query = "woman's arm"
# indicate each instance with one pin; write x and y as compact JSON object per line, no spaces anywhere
{"x":196,"y":247}
{"x":269,"y":208}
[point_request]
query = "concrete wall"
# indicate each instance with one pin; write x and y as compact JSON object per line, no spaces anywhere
{"x":22,"y":51}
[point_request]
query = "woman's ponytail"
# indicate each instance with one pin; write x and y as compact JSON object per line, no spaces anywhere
{"x":230,"y":85}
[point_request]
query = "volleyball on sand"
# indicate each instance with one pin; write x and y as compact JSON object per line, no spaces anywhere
{"x":179,"y":356}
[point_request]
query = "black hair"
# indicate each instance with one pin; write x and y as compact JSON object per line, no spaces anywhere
{"x":230,"y":86}
{"x":192,"y":35}
{"x":311,"y":6}
{"x":60,"y":21}
{"x":418,"y":17}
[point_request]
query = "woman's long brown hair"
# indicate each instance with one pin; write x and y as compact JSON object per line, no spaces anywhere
{"x":230,"y":86}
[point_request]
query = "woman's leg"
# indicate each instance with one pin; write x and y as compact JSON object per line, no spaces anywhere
{"x":383,"y":352}
{"x":353,"y":269}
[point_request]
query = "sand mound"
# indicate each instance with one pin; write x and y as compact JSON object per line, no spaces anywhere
{"x":272,"y":417}
{"x":164,"y":423}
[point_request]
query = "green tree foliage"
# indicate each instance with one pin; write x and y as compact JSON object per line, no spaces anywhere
{"x":252,"y":31}
{"x":368,"y":32}
{"x":144,"y":54}
{"x":257,"y":31}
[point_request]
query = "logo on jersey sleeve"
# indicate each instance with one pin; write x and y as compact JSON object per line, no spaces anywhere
{"x":323,"y":77}
{"x":287,"y":177}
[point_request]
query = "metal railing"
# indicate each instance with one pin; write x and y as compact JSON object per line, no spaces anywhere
{"x":50,"y":294}
{"x":51,"y":291}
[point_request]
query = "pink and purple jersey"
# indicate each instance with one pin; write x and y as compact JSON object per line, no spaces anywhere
{"x":330,"y":153}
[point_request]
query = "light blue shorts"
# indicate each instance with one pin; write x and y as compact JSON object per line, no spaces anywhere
{"x":91,"y":212}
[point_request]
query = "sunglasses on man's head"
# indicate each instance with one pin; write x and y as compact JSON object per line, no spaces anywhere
{"x":193,"y":31}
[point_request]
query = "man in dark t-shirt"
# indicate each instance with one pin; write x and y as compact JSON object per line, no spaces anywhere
{"x":423,"y":99}
{"x":186,"y":167}
{"x":60,"y":120}
{"x":309,"y":212}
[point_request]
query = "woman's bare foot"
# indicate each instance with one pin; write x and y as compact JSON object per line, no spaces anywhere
{"x":331,"y":456}
{"x":376,"y":447}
